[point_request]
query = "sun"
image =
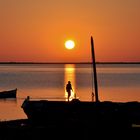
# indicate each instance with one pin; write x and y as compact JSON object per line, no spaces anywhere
{"x":69,"y":44}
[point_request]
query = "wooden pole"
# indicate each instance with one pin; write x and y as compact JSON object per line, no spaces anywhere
{"x":94,"y":70}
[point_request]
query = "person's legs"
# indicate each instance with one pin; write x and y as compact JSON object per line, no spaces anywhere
{"x":68,"y":95}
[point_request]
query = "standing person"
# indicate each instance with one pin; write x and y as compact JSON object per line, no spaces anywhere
{"x":68,"y":89}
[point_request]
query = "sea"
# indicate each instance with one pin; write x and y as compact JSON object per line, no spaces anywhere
{"x":116,"y":82}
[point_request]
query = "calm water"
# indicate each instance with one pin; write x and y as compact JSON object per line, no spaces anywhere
{"x":116,"y":82}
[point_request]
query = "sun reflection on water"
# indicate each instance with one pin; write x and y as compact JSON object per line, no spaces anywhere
{"x":70,"y":76}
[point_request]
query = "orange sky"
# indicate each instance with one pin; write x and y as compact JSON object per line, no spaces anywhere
{"x":35,"y":30}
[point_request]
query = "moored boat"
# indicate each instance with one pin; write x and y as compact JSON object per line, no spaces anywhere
{"x":8,"y":94}
{"x":93,"y":113}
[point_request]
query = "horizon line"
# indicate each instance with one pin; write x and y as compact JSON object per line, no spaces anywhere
{"x":102,"y":62}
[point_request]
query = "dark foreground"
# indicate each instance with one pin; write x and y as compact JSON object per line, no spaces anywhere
{"x":74,"y":120}
{"x":24,"y":129}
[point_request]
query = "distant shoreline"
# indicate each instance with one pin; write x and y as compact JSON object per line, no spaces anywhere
{"x":69,"y":62}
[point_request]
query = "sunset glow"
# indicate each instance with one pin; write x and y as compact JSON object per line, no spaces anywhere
{"x":38,"y":33}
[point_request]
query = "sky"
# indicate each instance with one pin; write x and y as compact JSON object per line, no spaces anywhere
{"x":36,"y":30}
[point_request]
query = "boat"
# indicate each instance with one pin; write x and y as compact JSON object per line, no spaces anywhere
{"x":8,"y":94}
{"x":98,"y":114}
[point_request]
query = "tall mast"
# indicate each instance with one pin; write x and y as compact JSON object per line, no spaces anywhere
{"x":94,"y":70}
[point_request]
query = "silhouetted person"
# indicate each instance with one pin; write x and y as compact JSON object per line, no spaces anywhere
{"x":68,"y":89}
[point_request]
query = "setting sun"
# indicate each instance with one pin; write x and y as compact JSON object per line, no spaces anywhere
{"x":69,"y":44}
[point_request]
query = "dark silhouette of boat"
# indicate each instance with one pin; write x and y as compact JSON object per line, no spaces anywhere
{"x":8,"y":94}
{"x":96,"y":114}
{"x":89,"y":114}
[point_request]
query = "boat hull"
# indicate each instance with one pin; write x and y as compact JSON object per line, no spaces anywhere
{"x":91,"y":113}
{"x":8,"y":94}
